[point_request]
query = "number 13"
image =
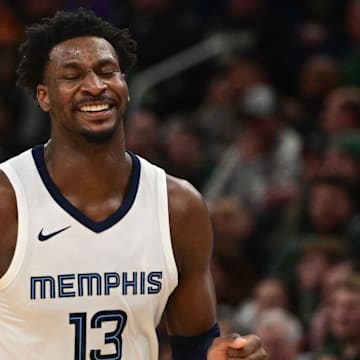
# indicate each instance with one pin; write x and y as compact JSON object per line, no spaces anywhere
{"x":114,"y":337}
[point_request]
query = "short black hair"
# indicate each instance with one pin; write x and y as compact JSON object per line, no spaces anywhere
{"x":64,"y":25}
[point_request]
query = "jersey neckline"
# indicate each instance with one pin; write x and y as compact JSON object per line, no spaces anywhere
{"x":96,"y":226}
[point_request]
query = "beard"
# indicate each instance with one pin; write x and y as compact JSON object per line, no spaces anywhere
{"x":100,"y":137}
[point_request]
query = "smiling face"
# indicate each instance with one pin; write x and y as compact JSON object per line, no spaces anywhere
{"x":84,"y":90}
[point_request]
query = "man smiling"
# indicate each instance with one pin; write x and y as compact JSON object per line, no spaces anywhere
{"x":127,"y":242}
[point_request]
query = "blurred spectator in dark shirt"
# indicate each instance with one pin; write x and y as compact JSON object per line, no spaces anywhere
{"x":318,"y":76}
{"x":217,"y":116}
{"x":329,"y":211}
{"x":327,"y":208}
{"x":184,"y":151}
{"x":232,"y":265}
{"x":143,"y":135}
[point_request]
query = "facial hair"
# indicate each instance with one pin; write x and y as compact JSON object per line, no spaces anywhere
{"x":101,"y":137}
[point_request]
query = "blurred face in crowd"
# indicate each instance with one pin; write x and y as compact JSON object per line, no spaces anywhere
{"x":243,"y":74}
{"x":230,"y":219}
{"x":183,"y":147}
{"x":220,"y":91}
{"x":276,"y":341}
{"x":141,"y":133}
{"x":334,"y":277}
{"x":334,"y":118}
{"x":338,"y":163}
{"x":258,"y":136}
{"x":329,"y":206}
{"x":270,"y":294}
{"x":310,"y":269}
{"x":345,"y":314}
{"x":319,"y":75}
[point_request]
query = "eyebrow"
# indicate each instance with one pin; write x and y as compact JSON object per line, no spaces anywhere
{"x":71,"y":64}
{"x":107,"y":61}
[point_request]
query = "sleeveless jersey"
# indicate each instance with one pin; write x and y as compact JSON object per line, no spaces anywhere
{"x":78,"y":289}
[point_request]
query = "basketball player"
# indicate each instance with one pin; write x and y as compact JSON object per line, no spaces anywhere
{"x":97,"y":243}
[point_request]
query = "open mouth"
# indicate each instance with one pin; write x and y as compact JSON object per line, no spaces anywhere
{"x":95,"y":108}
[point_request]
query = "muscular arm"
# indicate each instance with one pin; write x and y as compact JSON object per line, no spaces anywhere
{"x":8,"y":221}
{"x":191,"y":307}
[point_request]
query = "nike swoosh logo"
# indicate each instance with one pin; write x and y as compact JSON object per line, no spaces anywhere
{"x":43,"y":237}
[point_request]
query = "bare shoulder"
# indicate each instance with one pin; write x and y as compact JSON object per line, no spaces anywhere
{"x":183,"y":197}
{"x":190,"y":224}
{"x":8,"y":220}
{"x":7,"y":197}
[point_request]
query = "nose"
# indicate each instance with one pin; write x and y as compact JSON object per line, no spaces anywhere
{"x":93,"y":84}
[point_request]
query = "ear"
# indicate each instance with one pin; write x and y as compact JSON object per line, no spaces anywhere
{"x":43,"y":97}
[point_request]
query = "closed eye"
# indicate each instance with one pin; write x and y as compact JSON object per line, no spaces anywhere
{"x":70,"y":77}
{"x":107,"y":74}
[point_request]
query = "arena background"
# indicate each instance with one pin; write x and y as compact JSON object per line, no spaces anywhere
{"x":257,"y":104}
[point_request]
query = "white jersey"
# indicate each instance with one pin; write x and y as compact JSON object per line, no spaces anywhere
{"x":83,"y":290}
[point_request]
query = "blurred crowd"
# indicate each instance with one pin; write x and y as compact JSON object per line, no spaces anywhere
{"x":268,"y":133}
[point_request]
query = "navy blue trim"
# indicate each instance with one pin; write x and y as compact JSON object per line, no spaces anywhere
{"x":38,"y":155}
{"x":193,"y":347}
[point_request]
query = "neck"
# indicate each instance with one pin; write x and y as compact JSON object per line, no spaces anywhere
{"x":100,"y":166}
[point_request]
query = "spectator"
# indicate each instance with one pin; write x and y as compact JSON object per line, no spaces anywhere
{"x":318,"y":75}
{"x":261,"y":166}
{"x":315,"y":259}
{"x":342,"y":157}
{"x":184,"y":152}
{"x":344,"y":323}
{"x":217,"y":116}
{"x":233,"y":229}
{"x":329,"y":211}
{"x":269,"y":293}
{"x":328,"y":208}
{"x":245,"y":72}
{"x":334,"y":277}
{"x":143,"y":135}
{"x":281,"y":334}
{"x":341,"y":111}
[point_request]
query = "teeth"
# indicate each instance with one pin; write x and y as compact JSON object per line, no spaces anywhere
{"x":94,"y":108}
